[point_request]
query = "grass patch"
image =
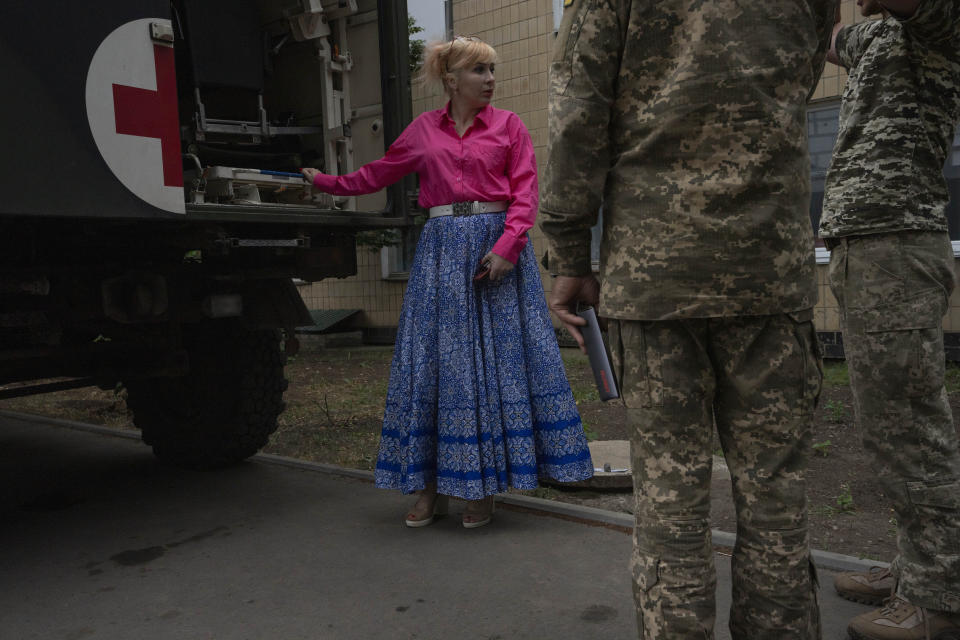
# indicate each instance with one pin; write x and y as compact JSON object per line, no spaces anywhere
{"x":837,"y":410}
{"x":334,"y":407}
{"x":844,"y":501}
{"x":544,"y":493}
{"x":835,"y":374}
{"x":822,"y":448}
{"x":589,"y":433}
{"x":952,"y":377}
{"x":580,"y":376}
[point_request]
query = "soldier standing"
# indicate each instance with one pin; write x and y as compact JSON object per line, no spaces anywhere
{"x":687,"y":122}
{"x":892,"y":271}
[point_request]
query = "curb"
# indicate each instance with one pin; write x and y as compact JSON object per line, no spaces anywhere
{"x":826,"y":560}
{"x":71,"y":424}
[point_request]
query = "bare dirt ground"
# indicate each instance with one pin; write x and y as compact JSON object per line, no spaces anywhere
{"x":335,"y":406}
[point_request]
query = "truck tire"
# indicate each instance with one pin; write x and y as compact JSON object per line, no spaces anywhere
{"x":224,"y":410}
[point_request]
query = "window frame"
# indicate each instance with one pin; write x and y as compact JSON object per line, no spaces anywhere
{"x":392,"y":259}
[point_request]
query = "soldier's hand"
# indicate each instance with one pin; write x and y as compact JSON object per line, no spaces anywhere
{"x":566,"y":293}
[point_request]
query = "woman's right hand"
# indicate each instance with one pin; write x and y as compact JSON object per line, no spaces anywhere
{"x":309,"y":174}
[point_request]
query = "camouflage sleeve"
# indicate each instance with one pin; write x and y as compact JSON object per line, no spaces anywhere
{"x":935,"y":21}
{"x":852,"y":42}
{"x":824,"y":15}
{"x":583,"y":79}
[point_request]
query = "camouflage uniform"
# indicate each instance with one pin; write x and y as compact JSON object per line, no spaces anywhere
{"x":892,"y":271}
{"x":758,"y":377}
{"x":687,"y":122}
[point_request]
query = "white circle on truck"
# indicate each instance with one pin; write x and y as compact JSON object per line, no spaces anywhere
{"x":132,"y":109}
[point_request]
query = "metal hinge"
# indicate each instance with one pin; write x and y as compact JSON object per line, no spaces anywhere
{"x":161,"y":33}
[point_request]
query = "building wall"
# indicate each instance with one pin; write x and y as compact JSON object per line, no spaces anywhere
{"x":378,"y":299}
{"x":522,"y":32}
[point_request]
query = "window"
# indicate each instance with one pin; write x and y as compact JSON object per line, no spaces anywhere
{"x":952,"y":172}
{"x":822,"y":128}
{"x":823,"y":124}
{"x":448,"y":19}
{"x":395,"y":261}
{"x":557,"y":14}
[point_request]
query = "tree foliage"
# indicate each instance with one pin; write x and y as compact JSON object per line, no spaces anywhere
{"x":416,"y":45}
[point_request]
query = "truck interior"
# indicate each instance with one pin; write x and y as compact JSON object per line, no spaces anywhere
{"x":269,"y":86}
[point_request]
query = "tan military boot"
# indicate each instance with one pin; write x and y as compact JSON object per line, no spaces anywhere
{"x":866,"y":587}
{"x":900,"y":620}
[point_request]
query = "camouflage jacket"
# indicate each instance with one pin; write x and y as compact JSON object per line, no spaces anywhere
{"x":687,"y":122}
{"x":897,"y":120}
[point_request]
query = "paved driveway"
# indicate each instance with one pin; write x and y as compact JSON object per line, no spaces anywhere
{"x":97,"y":540}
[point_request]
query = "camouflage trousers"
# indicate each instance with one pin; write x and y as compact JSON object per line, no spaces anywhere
{"x":757,"y":379}
{"x":893,"y":291}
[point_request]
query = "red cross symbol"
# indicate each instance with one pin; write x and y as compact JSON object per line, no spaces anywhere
{"x":153,"y":114}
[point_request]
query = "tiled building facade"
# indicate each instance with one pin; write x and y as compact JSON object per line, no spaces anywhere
{"x":522,"y":31}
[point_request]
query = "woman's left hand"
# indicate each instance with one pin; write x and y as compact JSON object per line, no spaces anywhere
{"x":499,"y":267}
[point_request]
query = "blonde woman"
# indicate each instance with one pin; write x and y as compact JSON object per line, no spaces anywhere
{"x":478,"y":400}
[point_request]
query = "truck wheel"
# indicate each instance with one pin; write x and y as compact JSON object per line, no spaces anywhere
{"x":224,"y":409}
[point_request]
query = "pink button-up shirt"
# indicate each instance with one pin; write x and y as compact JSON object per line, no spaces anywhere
{"x":493,"y":161}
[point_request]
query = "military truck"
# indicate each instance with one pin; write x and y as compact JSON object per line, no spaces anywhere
{"x":154,"y":221}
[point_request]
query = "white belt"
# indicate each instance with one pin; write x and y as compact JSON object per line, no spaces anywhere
{"x":468,"y":208}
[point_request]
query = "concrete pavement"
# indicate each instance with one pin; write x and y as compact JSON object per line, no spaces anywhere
{"x":97,"y":540}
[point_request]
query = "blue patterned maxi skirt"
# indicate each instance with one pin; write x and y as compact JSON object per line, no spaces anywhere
{"x":478,"y":397}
